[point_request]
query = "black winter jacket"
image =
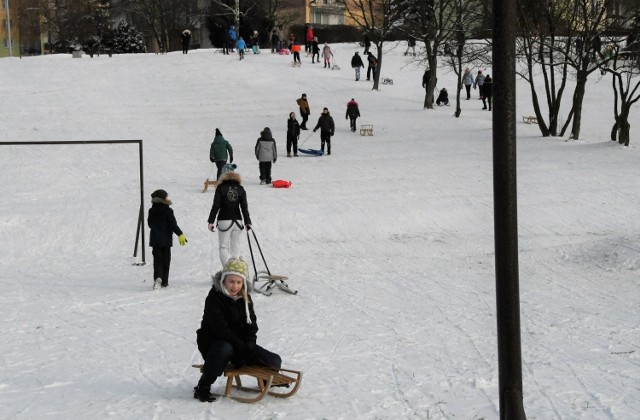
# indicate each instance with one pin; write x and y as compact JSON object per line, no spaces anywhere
{"x":325,"y":123}
{"x":356,"y":61}
{"x":293,"y":128}
{"x":162,"y":223}
{"x":226,"y":319}
{"x":230,"y":200}
{"x":486,"y":89}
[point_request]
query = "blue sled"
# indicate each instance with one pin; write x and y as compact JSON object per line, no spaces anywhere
{"x":311,"y":152}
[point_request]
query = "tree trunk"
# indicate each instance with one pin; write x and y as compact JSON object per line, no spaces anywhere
{"x":623,"y":125}
{"x":578,"y":97}
{"x":376,"y":73}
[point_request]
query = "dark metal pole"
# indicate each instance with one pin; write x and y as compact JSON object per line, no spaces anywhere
{"x":142,"y":201}
{"x":506,"y":211}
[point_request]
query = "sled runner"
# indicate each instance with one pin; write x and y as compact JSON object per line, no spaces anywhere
{"x":366,"y":130}
{"x":530,"y":119}
{"x":312,"y":152}
{"x":267,"y":378}
{"x":207,"y":182}
{"x":269,"y":281}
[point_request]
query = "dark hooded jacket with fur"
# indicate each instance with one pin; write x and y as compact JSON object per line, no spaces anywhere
{"x":225,"y":318}
{"x":162,"y":223}
{"x":230,"y":200}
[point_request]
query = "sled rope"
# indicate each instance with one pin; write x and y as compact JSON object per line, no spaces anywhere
{"x":307,"y":138}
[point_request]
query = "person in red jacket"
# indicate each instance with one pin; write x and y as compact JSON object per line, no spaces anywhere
{"x":309,"y":38}
{"x":352,"y":113}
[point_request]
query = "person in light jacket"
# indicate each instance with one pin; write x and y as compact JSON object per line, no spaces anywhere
{"x":467,"y":81}
{"x":266,"y":153}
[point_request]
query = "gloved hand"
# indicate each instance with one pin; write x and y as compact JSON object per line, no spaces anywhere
{"x":182,"y":239}
{"x":248,"y":227}
{"x":474,"y":88}
{"x":211,"y":227}
{"x":346,"y":118}
{"x":211,"y":159}
{"x":331,"y":133}
{"x":274,"y":160}
{"x":315,"y":129}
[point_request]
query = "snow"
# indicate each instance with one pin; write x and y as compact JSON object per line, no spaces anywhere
{"x":389,"y":242}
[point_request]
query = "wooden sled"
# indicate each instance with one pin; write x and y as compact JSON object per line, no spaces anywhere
{"x":267,"y":379}
{"x":271,"y":282}
{"x":366,"y":130}
{"x":530,"y":119}
{"x":207,"y":182}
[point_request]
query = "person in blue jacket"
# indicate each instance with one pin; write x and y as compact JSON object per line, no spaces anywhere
{"x":241,"y":47}
{"x":233,"y":36}
{"x":163,"y":225}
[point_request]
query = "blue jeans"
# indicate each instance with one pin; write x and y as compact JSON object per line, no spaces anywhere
{"x":221,"y":352}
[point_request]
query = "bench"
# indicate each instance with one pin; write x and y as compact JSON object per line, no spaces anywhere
{"x":366,"y":130}
{"x":267,"y":379}
{"x":530,"y":119}
{"x":207,"y":183}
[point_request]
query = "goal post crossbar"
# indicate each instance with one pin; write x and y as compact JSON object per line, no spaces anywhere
{"x":140,"y":226}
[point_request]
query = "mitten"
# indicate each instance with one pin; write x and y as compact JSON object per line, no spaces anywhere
{"x":182,"y":239}
{"x":248,"y":227}
{"x":211,"y":227}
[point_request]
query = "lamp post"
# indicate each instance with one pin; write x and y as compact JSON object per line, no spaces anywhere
{"x":10,"y":41}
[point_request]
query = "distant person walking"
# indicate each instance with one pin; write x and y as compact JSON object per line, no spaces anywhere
{"x":487,"y":92}
{"x":356,"y":63}
{"x":293,"y":134}
{"x":353,"y":112}
{"x":479,"y":82}
{"x":186,"y":40}
{"x":305,"y":111}
{"x":220,"y":151}
{"x":163,"y":225}
{"x":326,"y":55}
{"x":241,"y":45}
{"x":467,"y":81}
{"x":266,"y":153}
{"x":327,"y":128}
{"x":233,"y":37}
{"x":315,"y":51}
{"x":373,"y":63}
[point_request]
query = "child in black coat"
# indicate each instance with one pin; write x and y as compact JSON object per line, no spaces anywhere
{"x":228,"y":331}
{"x":163,"y":225}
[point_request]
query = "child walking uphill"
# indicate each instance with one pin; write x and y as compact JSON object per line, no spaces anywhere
{"x":230,"y":208}
{"x":353,"y":112}
{"x":266,"y":153}
{"x":327,"y":128}
{"x":228,"y":331}
{"x":220,"y":151}
{"x":163,"y":225}
{"x":293,"y":134}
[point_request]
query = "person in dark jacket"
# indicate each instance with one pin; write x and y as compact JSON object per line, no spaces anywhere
{"x":367,"y":43}
{"x":275,"y":41}
{"x":327,"y":128}
{"x":486,"y":91}
{"x":443,"y":97}
{"x":186,"y":39}
{"x":228,"y":330}
{"x":266,"y":153}
{"x":353,"y":112}
{"x":315,"y":51}
{"x":293,"y":134}
{"x":356,"y":63}
{"x":220,"y":151}
{"x":305,"y":110}
{"x":163,"y":225}
{"x":230,"y":208}
{"x":373,"y":63}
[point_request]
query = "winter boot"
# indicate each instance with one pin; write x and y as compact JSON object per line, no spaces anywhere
{"x":288,"y":154}
{"x":156,"y":283}
{"x":203,"y":393}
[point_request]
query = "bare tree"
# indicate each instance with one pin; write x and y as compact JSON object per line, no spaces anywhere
{"x":544,"y":47}
{"x":625,"y":68}
{"x":165,"y":19}
{"x":377,"y":18}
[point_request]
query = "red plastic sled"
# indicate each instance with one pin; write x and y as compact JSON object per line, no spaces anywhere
{"x":280,"y":183}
